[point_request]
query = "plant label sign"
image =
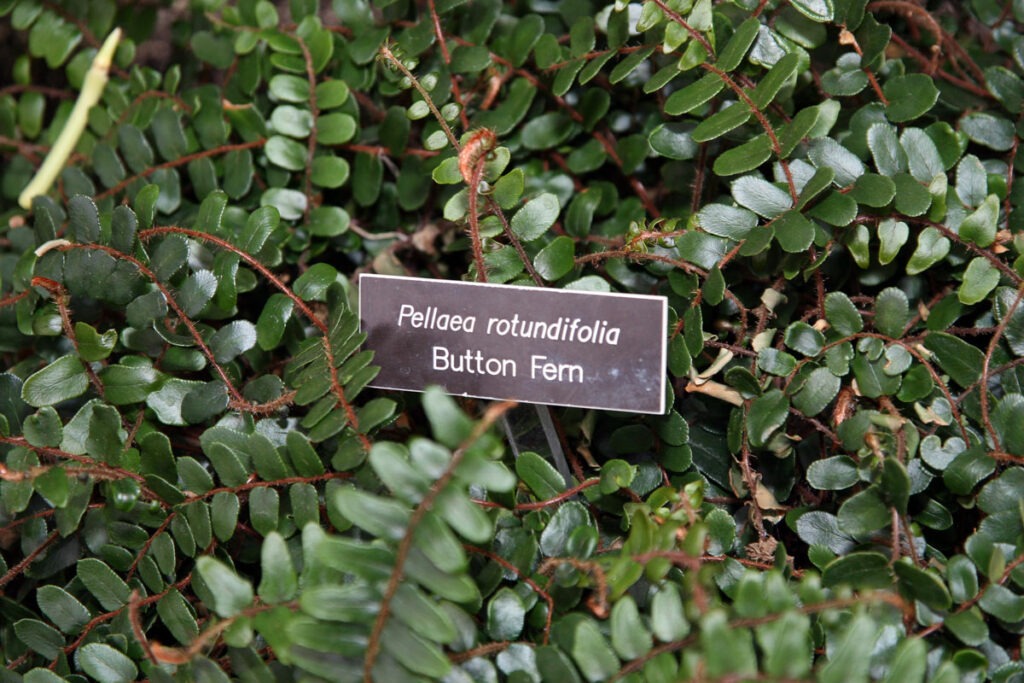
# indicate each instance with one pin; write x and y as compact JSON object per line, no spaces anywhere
{"x":558,"y":347}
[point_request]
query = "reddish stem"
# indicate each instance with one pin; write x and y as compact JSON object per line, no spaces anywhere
{"x":196,"y":336}
{"x":223,"y":149}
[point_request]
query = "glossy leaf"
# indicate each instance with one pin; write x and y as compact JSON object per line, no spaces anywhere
{"x":231,"y":592}
{"x":62,"y":379}
{"x":535,"y":217}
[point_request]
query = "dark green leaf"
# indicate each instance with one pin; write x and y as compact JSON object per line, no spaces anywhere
{"x":126,"y":384}
{"x":197,"y":291}
{"x":833,"y":474}
{"x":630,"y":637}
{"x":329,"y":171}
{"x":224,"y":514}
{"x":106,"y":586}
{"x":331,"y":93}
{"x":231,"y":592}
{"x":169,"y":135}
{"x":537,"y":473}
{"x":313,"y":284}
{"x":777,"y":77}
{"x":932,"y":247}
{"x":969,"y":626}
{"x":986,"y":129}
{"x":175,"y":613}
{"x":746,"y":157}
{"x":505,"y":615}
{"x":556,"y":259}
{"x":286,"y":153}
{"x":818,"y":391}
{"x":961,"y":360}
{"x":720,"y":123}
{"x":106,"y":664}
{"x":335,"y":129}
{"x":911,"y":198}
{"x":923,"y":585}
{"x":93,"y":346}
{"x":803,"y":338}
{"x":1002,"y":603}
{"x":278,"y":582}
{"x":290,"y":88}
{"x":967,"y":469}
{"x":872,"y":189}
{"x":776,"y":362}
{"x":567,"y":519}
{"x":980,"y":226}
{"x":328,"y":221}
{"x":629,"y":64}
{"x":667,"y":617}
{"x":449,"y":424}
{"x":62,"y":608}
{"x":892,"y":312}
{"x":673,"y":140}
{"x":980,"y":278}
{"x":414,"y":651}
{"x":842,"y":314}
{"x":40,"y":637}
{"x":43,"y":428}
{"x":272,"y":321}
{"x":910,"y":96}
{"x":816,"y":10}
{"x":423,"y":615}
{"x":732,"y":54}
{"x":760,"y":196}
{"x":546,"y":131}
{"x":589,"y":649}
{"x":693,"y":95}
{"x":766,"y":414}
{"x":859,"y":570}
{"x":864,"y":513}
{"x":62,"y":379}
{"x":827,"y":153}
{"x":232,"y":339}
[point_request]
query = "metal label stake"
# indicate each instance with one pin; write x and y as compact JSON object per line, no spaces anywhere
{"x":533,"y":430}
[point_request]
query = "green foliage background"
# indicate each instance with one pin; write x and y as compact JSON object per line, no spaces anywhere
{"x":197,"y":485}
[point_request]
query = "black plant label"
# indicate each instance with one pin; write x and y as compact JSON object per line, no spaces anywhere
{"x":558,"y":347}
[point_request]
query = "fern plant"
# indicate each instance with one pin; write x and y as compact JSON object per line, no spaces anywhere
{"x":197,"y":483}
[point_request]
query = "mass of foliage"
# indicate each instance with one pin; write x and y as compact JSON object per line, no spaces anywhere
{"x":198,"y":484}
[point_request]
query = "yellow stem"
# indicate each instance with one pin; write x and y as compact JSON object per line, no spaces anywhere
{"x":92,"y":89}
